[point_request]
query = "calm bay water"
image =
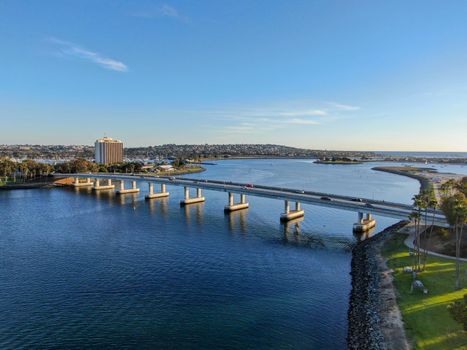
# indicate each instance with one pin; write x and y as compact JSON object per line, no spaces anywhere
{"x":80,"y":270}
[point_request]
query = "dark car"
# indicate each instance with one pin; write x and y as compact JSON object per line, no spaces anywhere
{"x":325,"y":198}
{"x":369,"y":205}
{"x":357,"y":200}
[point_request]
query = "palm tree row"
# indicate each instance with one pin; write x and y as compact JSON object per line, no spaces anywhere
{"x":454,"y":206}
{"x":424,"y":203}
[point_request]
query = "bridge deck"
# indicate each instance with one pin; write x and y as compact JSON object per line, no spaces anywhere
{"x":389,"y":209}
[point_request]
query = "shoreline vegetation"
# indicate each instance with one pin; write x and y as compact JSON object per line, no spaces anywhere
{"x":342,"y":160}
{"x":30,"y":174}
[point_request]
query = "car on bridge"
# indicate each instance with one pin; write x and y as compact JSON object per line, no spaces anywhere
{"x":356,"y":200}
{"x":325,"y":199}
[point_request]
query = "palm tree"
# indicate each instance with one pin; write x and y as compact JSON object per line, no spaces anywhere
{"x":460,"y":210}
{"x":417,"y":215}
{"x":455,"y":210}
{"x":448,"y":187}
{"x":432,"y":204}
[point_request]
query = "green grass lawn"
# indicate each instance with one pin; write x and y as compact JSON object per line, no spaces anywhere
{"x":428,"y":323}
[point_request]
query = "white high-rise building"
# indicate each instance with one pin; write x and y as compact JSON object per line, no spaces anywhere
{"x":108,"y":151}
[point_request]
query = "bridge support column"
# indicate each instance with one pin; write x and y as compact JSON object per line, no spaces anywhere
{"x":122,"y":189}
{"x":77,"y":183}
{"x":288,"y":214}
{"x":163,"y":193}
{"x":231,"y":206}
{"x":360,"y":217}
{"x":364,"y":224}
{"x":198,"y":199}
{"x":98,"y":187}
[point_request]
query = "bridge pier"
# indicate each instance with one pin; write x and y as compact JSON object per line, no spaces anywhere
{"x":198,"y":199}
{"x":163,"y":193}
{"x":288,"y":214}
{"x":122,"y":189}
{"x":231,"y":206}
{"x":97,"y":185}
{"x":77,"y":183}
{"x":364,"y":224}
{"x":292,"y":226}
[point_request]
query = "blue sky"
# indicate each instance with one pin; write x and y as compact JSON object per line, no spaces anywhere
{"x":353,"y":75}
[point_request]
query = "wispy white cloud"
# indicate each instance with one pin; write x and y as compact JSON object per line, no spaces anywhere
{"x":66,"y":48}
{"x":304,"y":113}
{"x":163,"y":10}
{"x":262,"y":119}
{"x":169,"y":11}
{"x":298,"y":121}
{"x":343,"y":107}
{"x":239,"y":129}
{"x":265,"y":112}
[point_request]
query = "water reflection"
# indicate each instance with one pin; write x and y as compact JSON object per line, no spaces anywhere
{"x":159,"y":206}
{"x":193,"y":213}
{"x":238,"y":219}
{"x":293,"y":234}
{"x":292,"y":229}
{"x":130,"y":198}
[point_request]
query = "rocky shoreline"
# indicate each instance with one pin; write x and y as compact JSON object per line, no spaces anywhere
{"x":374,"y":320}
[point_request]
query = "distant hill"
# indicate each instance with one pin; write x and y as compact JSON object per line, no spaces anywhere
{"x":173,"y":150}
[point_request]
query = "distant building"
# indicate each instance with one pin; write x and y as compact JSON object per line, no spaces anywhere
{"x":166,"y":167}
{"x":108,"y":151}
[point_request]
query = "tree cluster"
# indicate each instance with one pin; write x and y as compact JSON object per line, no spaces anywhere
{"x":27,"y":169}
{"x":30,"y":169}
{"x":454,"y":206}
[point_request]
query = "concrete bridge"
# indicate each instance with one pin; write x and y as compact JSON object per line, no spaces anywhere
{"x":363,"y":206}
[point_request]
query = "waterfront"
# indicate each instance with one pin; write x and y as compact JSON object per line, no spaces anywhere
{"x":81,"y":271}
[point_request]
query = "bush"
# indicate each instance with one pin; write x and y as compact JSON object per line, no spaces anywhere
{"x":458,"y":311}
{"x":444,"y":234}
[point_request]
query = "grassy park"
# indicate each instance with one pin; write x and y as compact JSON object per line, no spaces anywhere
{"x":428,"y":323}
